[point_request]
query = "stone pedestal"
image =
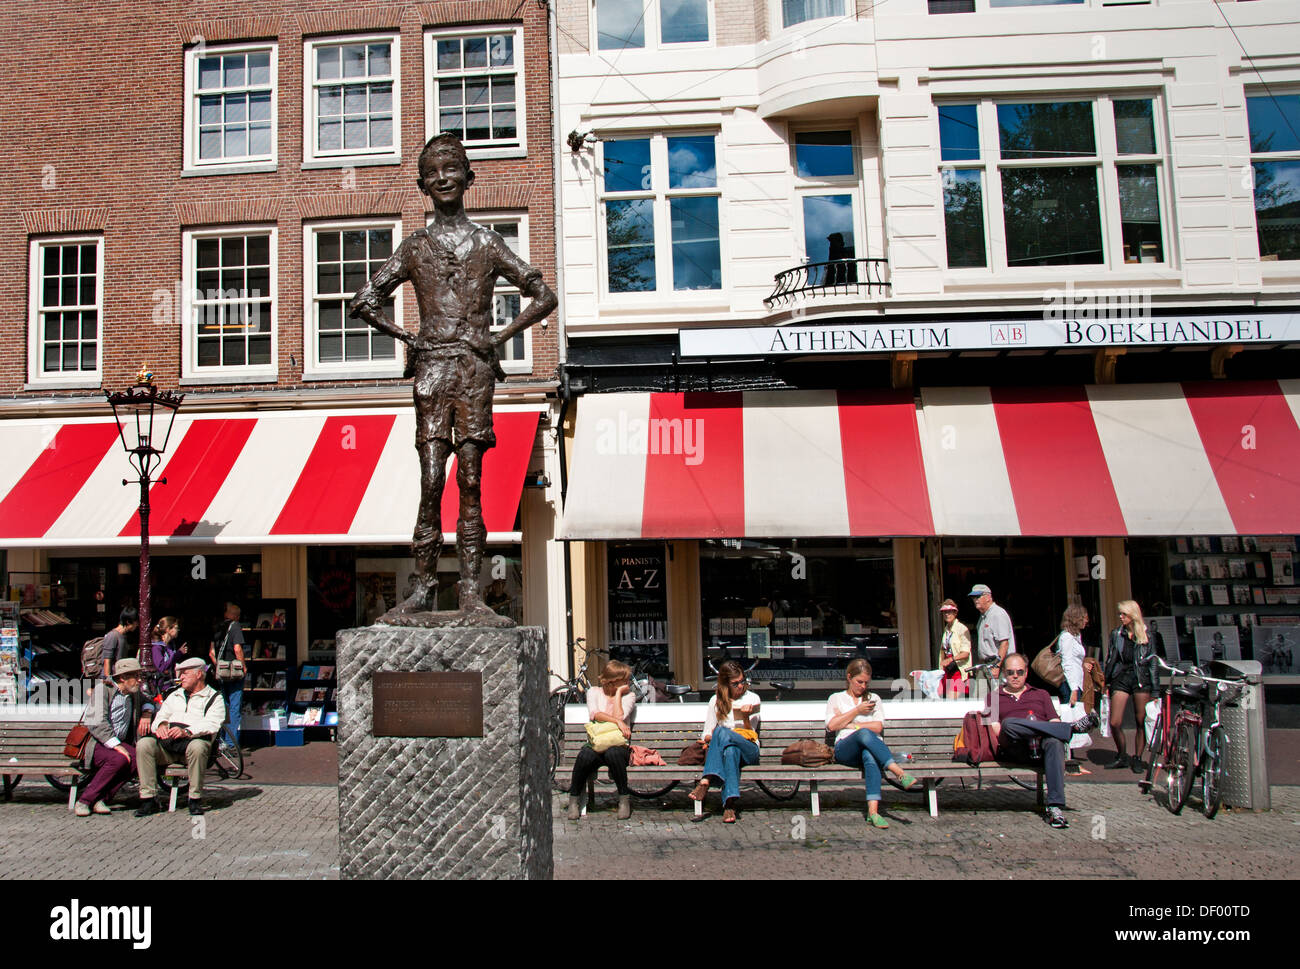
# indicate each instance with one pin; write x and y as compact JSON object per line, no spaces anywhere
{"x":446,"y":807}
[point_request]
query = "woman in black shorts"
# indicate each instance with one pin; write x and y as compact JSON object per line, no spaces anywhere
{"x":1131,"y":673}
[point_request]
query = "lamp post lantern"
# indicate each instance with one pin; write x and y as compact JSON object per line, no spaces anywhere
{"x":136,"y":410}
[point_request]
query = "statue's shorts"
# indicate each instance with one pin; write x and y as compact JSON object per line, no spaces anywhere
{"x":453,"y":397}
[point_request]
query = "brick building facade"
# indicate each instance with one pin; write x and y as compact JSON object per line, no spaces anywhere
{"x":200,"y":187}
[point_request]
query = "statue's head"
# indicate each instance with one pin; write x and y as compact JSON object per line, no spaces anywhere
{"x":439,"y":146}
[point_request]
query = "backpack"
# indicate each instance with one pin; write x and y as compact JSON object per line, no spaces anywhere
{"x":974,"y":744}
{"x":92,"y":666}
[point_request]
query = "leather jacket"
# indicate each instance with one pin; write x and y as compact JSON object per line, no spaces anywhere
{"x":1142,"y":656}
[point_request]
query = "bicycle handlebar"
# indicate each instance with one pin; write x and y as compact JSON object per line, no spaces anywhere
{"x":1197,"y":672}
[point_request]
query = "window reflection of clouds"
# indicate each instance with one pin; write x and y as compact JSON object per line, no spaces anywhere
{"x":822,"y":216}
{"x":684,"y":21}
{"x":619,"y":24}
{"x":692,"y":163}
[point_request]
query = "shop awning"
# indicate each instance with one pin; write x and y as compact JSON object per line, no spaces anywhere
{"x":282,"y":477}
{"x":1163,"y":459}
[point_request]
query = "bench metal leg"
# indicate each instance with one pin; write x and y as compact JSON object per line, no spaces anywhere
{"x":1041,"y":776}
{"x":72,"y":796}
{"x":590,"y":803}
{"x":816,"y":799}
{"x":10,"y":782}
{"x":699,"y":809}
{"x":932,"y":798}
{"x":172,"y":804}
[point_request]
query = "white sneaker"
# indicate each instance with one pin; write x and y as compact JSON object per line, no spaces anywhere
{"x":81,"y":810}
{"x":102,"y":808}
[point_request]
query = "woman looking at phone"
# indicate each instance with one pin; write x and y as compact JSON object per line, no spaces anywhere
{"x":855,"y":717}
{"x":730,"y":736}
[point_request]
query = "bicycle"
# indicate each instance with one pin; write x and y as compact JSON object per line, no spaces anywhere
{"x":1189,"y":740}
{"x":572,"y":690}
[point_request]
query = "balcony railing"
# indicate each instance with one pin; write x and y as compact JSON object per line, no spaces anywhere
{"x":839,"y":277}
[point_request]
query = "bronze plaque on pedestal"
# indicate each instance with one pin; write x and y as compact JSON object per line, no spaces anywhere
{"x":427,"y":704}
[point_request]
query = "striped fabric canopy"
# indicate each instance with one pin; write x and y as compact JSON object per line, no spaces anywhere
{"x":309,"y":476}
{"x":1161,"y":459}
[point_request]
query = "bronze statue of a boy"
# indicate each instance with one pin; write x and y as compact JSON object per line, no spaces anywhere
{"x":453,"y":265}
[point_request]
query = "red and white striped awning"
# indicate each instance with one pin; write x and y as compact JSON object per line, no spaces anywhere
{"x":1160,"y":459}
{"x":280,"y":477}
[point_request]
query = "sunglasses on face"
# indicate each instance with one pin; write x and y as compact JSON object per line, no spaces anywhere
{"x":1015,"y":672}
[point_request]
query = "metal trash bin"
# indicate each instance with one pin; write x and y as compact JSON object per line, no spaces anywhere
{"x":1245,"y":768}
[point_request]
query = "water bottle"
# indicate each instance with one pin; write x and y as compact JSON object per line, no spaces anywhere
{"x":1035,"y":743}
{"x":905,"y":758}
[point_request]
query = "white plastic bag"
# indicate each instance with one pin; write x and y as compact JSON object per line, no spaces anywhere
{"x":1153,"y":713}
{"x":1103,"y":711}
{"x":1070,"y":714}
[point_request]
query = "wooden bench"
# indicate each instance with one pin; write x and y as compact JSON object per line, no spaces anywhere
{"x":928,"y":740}
{"x":35,"y":747}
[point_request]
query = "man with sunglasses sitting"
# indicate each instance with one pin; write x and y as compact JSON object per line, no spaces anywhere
{"x":1027,"y":727}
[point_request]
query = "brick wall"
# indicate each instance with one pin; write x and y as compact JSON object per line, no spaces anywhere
{"x":94,"y":141}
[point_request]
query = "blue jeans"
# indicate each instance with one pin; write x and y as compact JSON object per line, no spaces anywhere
{"x":728,"y":752}
{"x":233,"y":691}
{"x":863,"y":748}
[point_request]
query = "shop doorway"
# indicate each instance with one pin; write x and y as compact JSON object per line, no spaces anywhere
{"x":1025,"y":574}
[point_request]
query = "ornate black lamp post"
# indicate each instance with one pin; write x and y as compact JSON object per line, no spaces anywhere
{"x":135,"y":410}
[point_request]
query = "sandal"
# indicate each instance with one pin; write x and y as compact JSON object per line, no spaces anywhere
{"x":701,"y":789}
{"x":876,"y":821}
{"x":729,"y":816}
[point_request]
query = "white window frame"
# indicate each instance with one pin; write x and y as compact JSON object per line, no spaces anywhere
{"x":662,"y":194}
{"x":653,"y":20}
{"x":1105,"y":160}
{"x":192,"y":164}
{"x":37,"y":378}
{"x":848,"y":10}
{"x":850,"y":185}
{"x":523,"y":365}
{"x":312,"y":367}
{"x":312,"y":156}
{"x":475,"y":149}
{"x":1270,"y":267}
{"x":191,"y":373}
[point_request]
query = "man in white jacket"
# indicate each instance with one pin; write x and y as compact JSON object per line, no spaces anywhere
{"x":185,"y":728}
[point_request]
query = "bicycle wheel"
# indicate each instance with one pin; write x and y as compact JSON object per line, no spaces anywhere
{"x":1156,"y":753}
{"x":1212,"y":773}
{"x":781,"y":791}
{"x":64,"y":784}
{"x":651,"y":795}
{"x":1182,"y":763}
{"x":558,"y":701}
{"x":228,"y":759}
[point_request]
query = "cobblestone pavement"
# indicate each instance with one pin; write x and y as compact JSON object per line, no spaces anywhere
{"x":1114,"y":832}
{"x":291,"y":832}
{"x":248,"y":832}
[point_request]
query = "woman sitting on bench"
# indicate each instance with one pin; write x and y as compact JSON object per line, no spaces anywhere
{"x":730,"y":735}
{"x":855,"y":717}
{"x":614,"y":703}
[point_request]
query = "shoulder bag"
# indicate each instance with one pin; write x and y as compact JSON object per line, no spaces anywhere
{"x":1047,"y":664}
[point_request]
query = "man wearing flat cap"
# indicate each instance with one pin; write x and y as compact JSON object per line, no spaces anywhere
{"x":994,"y":637}
{"x":185,"y":728}
{"x":116,"y":715}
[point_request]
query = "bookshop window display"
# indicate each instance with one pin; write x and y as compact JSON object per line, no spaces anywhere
{"x":1223,"y":597}
{"x":802,"y":607}
{"x":349,"y":587}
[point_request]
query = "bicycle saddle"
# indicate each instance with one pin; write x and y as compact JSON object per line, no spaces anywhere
{"x":781,"y":684}
{"x":677,"y":689}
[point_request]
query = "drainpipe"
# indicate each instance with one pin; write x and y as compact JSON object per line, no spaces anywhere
{"x":561,"y":333}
